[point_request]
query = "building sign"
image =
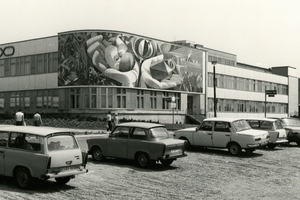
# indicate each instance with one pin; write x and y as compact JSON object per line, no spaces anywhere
{"x":271,"y":92}
{"x":7,"y":51}
{"x":121,"y":59}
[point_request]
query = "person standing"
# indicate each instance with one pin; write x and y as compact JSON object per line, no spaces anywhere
{"x":116,"y":119}
{"x":37,"y":119}
{"x":109,"y":123}
{"x":19,"y":118}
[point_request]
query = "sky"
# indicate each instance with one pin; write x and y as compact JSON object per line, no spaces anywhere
{"x":264,"y":33}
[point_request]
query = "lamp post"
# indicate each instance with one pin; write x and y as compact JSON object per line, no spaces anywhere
{"x":215,"y":99}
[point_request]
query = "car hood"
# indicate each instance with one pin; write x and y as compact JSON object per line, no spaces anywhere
{"x":253,"y":132}
{"x":187,"y":129}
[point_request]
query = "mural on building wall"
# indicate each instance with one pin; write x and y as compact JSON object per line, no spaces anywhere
{"x":110,"y":58}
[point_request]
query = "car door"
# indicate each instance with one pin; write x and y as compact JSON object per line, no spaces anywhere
{"x":3,"y":143}
{"x":117,"y":143}
{"x":203,"y":135}
{"x":221,"y":134}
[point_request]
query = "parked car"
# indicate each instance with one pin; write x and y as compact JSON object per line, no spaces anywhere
{"x":39,"y":153}
{"x":143,"y":142}
{"x":292,"y":126}
{"x":231,"y":133}
{"x":273,"y":126}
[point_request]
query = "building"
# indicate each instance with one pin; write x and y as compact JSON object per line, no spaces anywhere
{"x":91,"y":72}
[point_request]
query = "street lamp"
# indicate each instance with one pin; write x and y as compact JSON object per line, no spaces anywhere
{"x":215,"y":99}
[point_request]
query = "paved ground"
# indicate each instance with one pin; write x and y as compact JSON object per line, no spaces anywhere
{"x":203,"y":174}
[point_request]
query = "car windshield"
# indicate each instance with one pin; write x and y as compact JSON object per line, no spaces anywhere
{"x":159,"y":133}
{"x":61,"y":142}
{"x":278,"y":125}
{"x":291,"y":122}
{"x":241,"y":125}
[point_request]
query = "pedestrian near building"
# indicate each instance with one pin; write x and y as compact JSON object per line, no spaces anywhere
{"x":109,"y":123}
{"x":116,"y":120}
{"x":37,"y":119}
{"x":19,"y":118}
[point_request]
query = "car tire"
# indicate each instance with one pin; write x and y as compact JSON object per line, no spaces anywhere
{"x":97,"y":154}
{"x":143,"y":160}
{"x":298,"y":143}
{"x":249,"y":151}
{"x":272,"y":146}
{"x":166,"y":162}
{"x":63,"y":180}
{"x":187,"y":143}
{"x":234,"y":149}
{"x":23,"y":178}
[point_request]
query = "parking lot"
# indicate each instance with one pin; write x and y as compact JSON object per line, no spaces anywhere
{"x":203,"y":174}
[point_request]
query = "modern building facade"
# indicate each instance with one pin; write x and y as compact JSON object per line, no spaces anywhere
{"x":91,"y":72}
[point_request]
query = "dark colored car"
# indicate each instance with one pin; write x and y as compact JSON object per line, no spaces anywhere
{"x":292,"y":127}
{"x":143,"y":142}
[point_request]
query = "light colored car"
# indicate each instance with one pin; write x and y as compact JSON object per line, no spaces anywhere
{"x":273,"y":126}
{"x":39,"y":153}
{"x":145,"y":143}
{"x":234,"y":134}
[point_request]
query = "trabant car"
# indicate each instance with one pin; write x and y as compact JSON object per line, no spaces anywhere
{"x":39,"y":153}
{"x":273,"y":126}
{"x":292,"y":126}
{"x":143,"y":142}
{"x":232,"y":133}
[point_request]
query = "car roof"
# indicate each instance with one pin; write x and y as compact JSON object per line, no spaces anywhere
{"x":146,"y":125}
{"x":41,"y":131}
{"x":224,"y":119}
{"x":262,"y":119}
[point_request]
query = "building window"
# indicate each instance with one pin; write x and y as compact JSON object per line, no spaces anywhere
{"x":153,"y":100}
{"x":110,"y":97}
{"x":1,"y":101}
{"x":140,"y":99}
{"x":74,"y":98}
{"x":121,"y":98}
{"x":2,"y":67}
{"x":13,"y":66}
{"x":103,"y":97}
{"x":93,"y":97}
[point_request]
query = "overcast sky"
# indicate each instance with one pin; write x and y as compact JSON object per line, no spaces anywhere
{"x":263,"y":33}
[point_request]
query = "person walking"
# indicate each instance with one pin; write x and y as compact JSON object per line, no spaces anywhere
{"x":19,"y":118}
{"x":116,"y":120}
{"x":37,"y":119}
{"x":109,"y":123}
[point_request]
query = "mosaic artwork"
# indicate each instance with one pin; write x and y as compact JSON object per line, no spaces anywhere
{"x":118,"y":59}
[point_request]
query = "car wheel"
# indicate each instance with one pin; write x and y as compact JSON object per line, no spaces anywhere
{"x":298,"y":143}
{"x":272,"y":146}
{"x":97,"y":154}
{"x":249,"y":151}
{"x":234,"y":149}
{"x":166,"y":162}
{"x":187,"y":143}
{"x":63,"y":180}
{"x":143,"y":160}
{"x":23,"y":178}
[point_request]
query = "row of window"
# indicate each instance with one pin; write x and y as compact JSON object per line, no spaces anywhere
{"x":230,"y":105}
{"x":26,"y":65}
{"x":238,"y":83}
{"x":86,"y":98}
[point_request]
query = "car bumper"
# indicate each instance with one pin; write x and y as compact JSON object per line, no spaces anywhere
{"x":258,"y":144}
{"x":168,"y":157}
{"x":281,"y":141}
{"x":64,"y":174}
